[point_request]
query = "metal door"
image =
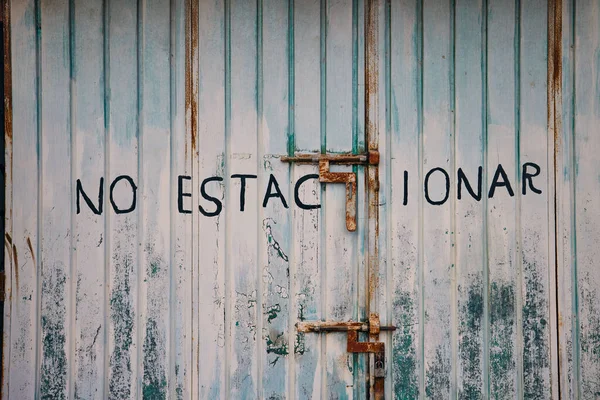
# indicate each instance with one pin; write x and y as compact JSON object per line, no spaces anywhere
{"x":166,"y":235}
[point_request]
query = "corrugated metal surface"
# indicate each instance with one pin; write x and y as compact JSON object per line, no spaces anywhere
{"x":183,"y":109}
{"x":578,"y":211}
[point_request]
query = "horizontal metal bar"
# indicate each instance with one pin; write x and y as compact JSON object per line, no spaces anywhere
{"x":326,"y":326}
{"x":314,"y":158}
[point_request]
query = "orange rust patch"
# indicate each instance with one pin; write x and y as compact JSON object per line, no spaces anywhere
{"x":31,"y":249}
{"x":191,"y":83}
{"x":16,"y":267}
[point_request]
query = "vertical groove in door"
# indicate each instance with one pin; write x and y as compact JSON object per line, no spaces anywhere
{"x":518,"y":235}
{"x":260,"y":261}
{"x":420,"y":149}
{"x":485,"y":231}
{"x":107,"y":226}
{"x":453,"y":206}
{"x":293,"y":339}
{"x":40,"y":181}
{"x":323,"y":228}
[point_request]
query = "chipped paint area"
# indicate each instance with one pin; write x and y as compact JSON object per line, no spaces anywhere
{"x":502,"y":340}
{"x":471,"y":342}
{"x":406,"y":384}
{"x":122,"y":316}
{"x":54,"y":366}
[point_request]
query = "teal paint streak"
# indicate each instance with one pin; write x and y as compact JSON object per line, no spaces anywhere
{"x":590,"y":339}
{"x":291,"y":143}
{"x":53,"y":383}
{"x":502,"y":318}
{"x":355,"y":95}
{"x":154,"y":379}
{"x":323,"y":75}
{"x":536,"y":350}
{"x":122,"y":316}
{"x":438,"y":375}
{"x":470,"y":345}
{"x":405,"y":374}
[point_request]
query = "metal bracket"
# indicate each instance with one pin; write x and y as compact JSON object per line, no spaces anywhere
{"x":353,"y":345}
{"x":349,"y":178}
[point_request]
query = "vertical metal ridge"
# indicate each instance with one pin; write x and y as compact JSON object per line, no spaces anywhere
{"x":518,"y":234}
{"x":40,"y":178}
{"x":453,"y":201}
{"x":172,"y":310}
{"x":140,"y":169}
{"x":6,"y":338}
{"x":72,"y":316}
{"x":259,"y":211}
{"x":291,"y":148}
{"x":555,"y":134}
{"x":354,"y":140}
{"x":106,"y":100}
{"x":421,"y":273}
{"x":322,"y":219}
{"x":573,"y":210}
{"x":485,"y":230}
{"x":226,"y":220}
{"x":388,"y":195}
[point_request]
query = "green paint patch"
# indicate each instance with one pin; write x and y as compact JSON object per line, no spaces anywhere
{"x":272,"y":312}
{"x":122,"y":316}
{"x":277,"y":346}
{"x":437,"y":385}
{"x":590,"y":339}
{"x":155,"y":380}
{"x":406,"y":381}
{"x":502,"y":340}
{"x":470,"y":347}
{"x":273,"y":244}
{"x":536,"y":349}
{"x":300,"y":343}
{"x":53,"y":377}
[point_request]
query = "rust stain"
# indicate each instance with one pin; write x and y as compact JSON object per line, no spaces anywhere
{"x":328,"y":326}
{"x":8,"y":124}
{"x":16,"y":267}
{"x":31,"y":250}
{"x":191,"y":82}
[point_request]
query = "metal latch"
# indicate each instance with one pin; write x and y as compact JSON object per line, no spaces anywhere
{"x":373,"y":327}
{"x":349,"y":178}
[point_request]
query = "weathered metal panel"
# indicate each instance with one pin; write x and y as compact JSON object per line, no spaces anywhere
{"x":577,"y":201}
{"x":184,"y":269}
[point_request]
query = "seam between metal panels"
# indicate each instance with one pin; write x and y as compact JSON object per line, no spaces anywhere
{"x":106,"y":101}
{"x":420,"y":117}
{"x":573,"y":214}
{"x":322,"y":219}
{"x":72,"y":317}
{"x":38,"y":56}
{"x":291,"y":146}
{"x":388,"y":195}
{"x":520,"y":351}
{"x":453,"y":201}
{"x":354,"y":138}
{"x":8,"y":182}
{"x":226,"y":221}
{"x":259,"y":211}
{"x":554,"y":113}
{"x":140,"y":162}
{"x":485,"y":231}
{"x":172,"y":319}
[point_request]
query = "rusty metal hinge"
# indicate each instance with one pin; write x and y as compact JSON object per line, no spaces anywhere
{"x":349,"y":178}
{"x":353,"y":345}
